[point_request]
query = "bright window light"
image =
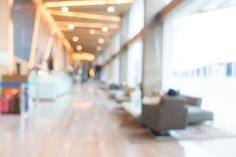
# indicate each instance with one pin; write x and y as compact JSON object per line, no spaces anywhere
{"x":210,"y":37}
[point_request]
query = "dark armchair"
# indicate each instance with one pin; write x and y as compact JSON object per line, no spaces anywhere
{"x":169,"y":114}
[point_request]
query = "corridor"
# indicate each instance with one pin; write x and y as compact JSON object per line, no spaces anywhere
{"x":86,"y":123}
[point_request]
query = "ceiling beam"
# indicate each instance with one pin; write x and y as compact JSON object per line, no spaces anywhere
{"x":84,"y":56}
{"x":86,"y":15}
{"x":84,"y":3}
{"x":89,"y":25}
{"x":97,"y":33}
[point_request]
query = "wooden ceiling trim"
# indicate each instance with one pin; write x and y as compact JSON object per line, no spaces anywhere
{"x":86,"y":15}
{"x":84,"y":3}
{"x":89,"y":25}
{"x":97,"y":33}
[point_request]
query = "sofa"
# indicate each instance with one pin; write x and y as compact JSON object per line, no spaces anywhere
{"x":195,"y":113}
{"x":173,"y":112}
{"x":170,"y":113}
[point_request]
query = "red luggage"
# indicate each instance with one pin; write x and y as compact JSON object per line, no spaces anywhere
{"x":5,"y":104}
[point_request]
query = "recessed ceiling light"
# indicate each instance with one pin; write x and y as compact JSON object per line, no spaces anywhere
{"x":71,"y":26}
{"x":111,"y":9}
{"x":99,"y":48}
{"x":119,"y":1}
{"x":64,"y":9}
{"x":92,"y":31}
{"x":100,"y":40}
{"x":79,"y":47}
{"x":75,"y":38}
{"x":105,"y":28}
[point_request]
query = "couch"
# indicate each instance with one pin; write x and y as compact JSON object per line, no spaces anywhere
{"x":195,"y":113}
{"x":170,"y":113}
{"x":173,"y":112}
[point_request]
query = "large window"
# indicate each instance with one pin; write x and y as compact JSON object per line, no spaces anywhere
{"x":135,"y":63}
{"x":204,"y":39}
{"x":200,"y":59}
{"x":136,"y":18}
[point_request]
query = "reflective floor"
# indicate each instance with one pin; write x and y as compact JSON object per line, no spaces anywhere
{"x":85,"y":123}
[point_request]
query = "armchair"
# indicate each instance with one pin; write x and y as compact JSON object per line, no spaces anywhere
{"x":170,"y":113}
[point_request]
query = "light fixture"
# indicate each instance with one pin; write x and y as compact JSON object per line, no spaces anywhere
{"x":75,"y":38}
{"x":99,"y":48}
{"x":79,"y":47}
{"x":83,"y":56}
{"x":92,"y":31}
{"x":111,"y":9}
{"x":119,"y":1}
{"x":105,"y":28}
{"x":100,"y":40}
{"x":80,"y":3}
{"x":71,"y":26}
{"x":64,"y":9}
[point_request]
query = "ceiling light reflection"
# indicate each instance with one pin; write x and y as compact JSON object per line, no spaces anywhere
{"x":99,"y":48}
{"x":79,"y":47}
{"x":92,"y":31}
{"x":71,"y":26}
{"x":75,"y":38}
{"x":101,"y":40}
{"x":105,"y":28}
{"x":111,"y":9}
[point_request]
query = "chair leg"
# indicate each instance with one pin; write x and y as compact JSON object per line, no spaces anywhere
{"x":161,"y":133}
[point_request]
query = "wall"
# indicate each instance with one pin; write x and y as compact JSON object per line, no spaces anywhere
{"x":4,"y":32}
{"x":4,"y":16}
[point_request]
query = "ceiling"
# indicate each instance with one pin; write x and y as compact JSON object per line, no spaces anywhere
{"x":88,"y":18}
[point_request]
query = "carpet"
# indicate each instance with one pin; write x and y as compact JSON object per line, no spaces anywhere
{"x":135,"y":133}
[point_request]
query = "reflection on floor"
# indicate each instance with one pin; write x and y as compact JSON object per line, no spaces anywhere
{"x":86,"y":123}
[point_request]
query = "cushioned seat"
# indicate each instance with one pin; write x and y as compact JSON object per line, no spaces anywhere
{"x":198,"y":115}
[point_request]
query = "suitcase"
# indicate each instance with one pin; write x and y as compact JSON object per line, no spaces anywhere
{"x":5,"y":104}
{"x":15,"y":105}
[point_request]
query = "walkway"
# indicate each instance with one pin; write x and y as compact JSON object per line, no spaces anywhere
{"x":87,"y":124}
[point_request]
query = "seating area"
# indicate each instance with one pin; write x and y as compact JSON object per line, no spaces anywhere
{"x":161,"y":113}
{"x":173,"y":112}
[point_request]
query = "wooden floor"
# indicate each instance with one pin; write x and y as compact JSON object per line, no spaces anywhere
{"x":87,"y":124}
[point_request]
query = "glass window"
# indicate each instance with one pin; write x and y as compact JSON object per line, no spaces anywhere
{"x":205,"y":38}
{"x":135,"y":63}
{"x":136,"y":18}
{"x":229,"y":69}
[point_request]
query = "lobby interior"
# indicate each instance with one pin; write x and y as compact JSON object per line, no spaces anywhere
{"x":122,"y":78}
